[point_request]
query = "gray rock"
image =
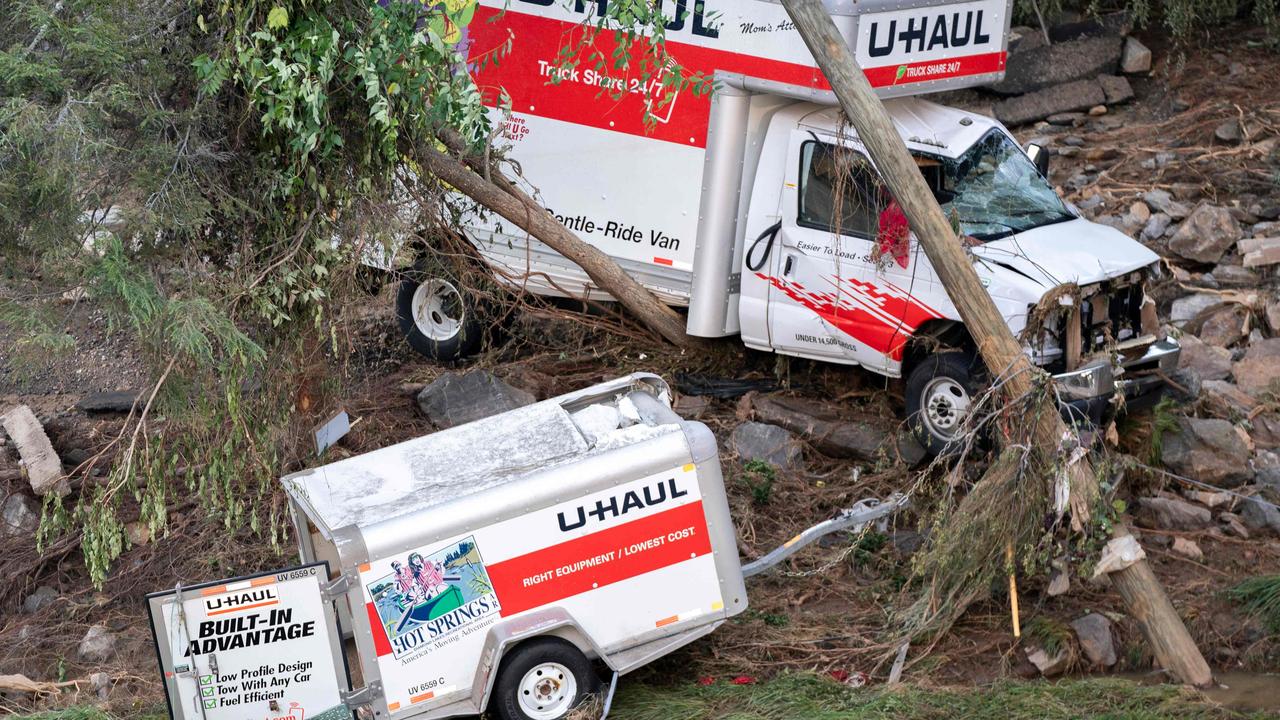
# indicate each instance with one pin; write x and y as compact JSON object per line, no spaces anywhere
{"x":1094,"y":632}
{"x":1260,"y":516}
{"x":1136,"y":57}
{"x":767,"y":443}
{"x":1077,"y":95}
{"x":1065,"y":119}
{"x":458,"y":399}
{"x":1259,"y":368}
{"x":1169,"y":514}
{"x":1273,"y":315}
{"x":1224,"y":326}
{"x":101,"y":683}
{"x":42,"y":597}
{"x":1205,"y":235}
{"x":1115,"y":88}
{"x":1228,"y":132}
{"x":1212,"y":363}
{"x":108,"y":401}
{"x":1162,"y":201}
{"x":1225,"y":400}
{"x":98,"y":645}
{"x":21,"y":516}
{"x":1235,"y":276}
{"x":1267,"y":466}
{"x":1209,"y":450}
{"x":1049,"y":666}
{"x":1156,"y":226}
{"x":1037,"y":68}
{"x":821,"y":427}
{"x":1189,"y":307}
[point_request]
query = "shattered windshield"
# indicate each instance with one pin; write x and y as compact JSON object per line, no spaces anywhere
{"x":995,"y":190}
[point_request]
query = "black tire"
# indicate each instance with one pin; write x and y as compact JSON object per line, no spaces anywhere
{"x":951,"y":380}
{"x":455,"y":333}
{"x":526,"y":659}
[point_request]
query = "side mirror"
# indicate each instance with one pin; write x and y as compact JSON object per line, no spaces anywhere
{"x":1040,"y":157}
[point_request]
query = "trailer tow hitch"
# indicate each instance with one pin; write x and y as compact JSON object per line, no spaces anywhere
{"x":854,"y":519}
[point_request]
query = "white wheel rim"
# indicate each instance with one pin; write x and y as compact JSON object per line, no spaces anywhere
{"x":547,"y":691}
{"x":437,"y":310}
{"x":945,"y":405}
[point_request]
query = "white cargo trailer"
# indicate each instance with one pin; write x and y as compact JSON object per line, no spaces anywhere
{"x":758,"y":209}
{"x":488,"y":565}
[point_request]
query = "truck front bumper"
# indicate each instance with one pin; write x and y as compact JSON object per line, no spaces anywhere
{"x":1139,"y":374}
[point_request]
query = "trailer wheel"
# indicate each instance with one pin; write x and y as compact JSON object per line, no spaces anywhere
{"x":436,"y":319}
{"x":543,"y":680}
{"x":940,"y":392}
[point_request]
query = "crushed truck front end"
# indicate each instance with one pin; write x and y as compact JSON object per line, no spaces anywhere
{"x":594,"y":523}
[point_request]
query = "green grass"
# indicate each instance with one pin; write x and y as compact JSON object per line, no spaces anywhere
{"x":1260,"y":596}
{"x":808,"y":697}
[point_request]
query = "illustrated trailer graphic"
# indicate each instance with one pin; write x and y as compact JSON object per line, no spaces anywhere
{"x":426,"y":597}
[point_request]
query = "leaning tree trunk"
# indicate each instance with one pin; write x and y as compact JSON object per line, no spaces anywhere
{"x":503,"y":197}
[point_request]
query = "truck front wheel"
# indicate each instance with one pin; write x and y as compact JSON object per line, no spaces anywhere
{"x":543,"y":680}
{"x":940,"y":393}
{"x":436,"y":319}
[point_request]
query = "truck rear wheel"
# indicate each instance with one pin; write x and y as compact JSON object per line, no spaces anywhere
{"x":940,"y":392}
{"x":543,"y":679}
{"x":437,"y":319}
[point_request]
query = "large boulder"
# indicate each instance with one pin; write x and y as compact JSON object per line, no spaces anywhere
{"x":1259,"y":367}
{"x":1043,"y":66}
{"x":1209,"y":450}
{"x":754,"y":441}
{"x":1211,"y":363}
{"x":1117,"y":90}
{"x":1094,"y":632}
{"x":1260,"y":515}
{"x":821,"y":427}
{"x":1207,"y":233}
{"x":1190,"y":307}
{"x":458,"y":399}
{"x":1077,"y":95}
{"x":1163,"y":202}
{"x":1224,"y":326}
{"x":1162,"y":513}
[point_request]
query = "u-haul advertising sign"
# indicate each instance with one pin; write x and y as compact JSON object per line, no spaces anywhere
{"x":630,"y":560}
{"x":263,"y":647}
{"x":619,"y":160}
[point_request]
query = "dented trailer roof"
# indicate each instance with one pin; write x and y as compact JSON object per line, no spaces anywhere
{"x":436,"y":469}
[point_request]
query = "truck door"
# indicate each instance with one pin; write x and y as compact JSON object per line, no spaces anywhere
{"x":832,"y":297}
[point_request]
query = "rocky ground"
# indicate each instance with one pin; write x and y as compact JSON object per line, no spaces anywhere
{"x":1181,"y":152}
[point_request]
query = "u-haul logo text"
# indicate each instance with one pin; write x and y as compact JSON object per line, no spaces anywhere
{"x":928,"y":31}
{"x":241,"y":601}
{"x":619,"y":505}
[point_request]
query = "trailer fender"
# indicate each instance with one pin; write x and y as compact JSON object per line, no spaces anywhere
{"x":504,"y":636}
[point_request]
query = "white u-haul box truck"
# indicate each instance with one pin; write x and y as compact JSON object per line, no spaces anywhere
{"x":733,"y":205}
{"x":487,"y":566}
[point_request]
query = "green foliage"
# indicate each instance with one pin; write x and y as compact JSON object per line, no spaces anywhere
{"x":1260,"y":597}
{"x":759,"y":477}
{"x":1163,"y":420}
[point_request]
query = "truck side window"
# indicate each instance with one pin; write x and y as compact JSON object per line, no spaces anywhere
{"x":839,"y":191}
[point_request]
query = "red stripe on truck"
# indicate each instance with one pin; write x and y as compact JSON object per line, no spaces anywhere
{"x":599,"y":98}
{"x":601,"y":558}
{"x":381,"y":645}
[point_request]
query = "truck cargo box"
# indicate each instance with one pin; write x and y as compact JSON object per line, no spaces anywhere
{"x":637,"y":189}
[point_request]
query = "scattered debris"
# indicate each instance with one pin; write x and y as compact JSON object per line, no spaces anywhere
{"x":458,"y":399}
{"x":44,"y":469}
{"x":102,"y":402}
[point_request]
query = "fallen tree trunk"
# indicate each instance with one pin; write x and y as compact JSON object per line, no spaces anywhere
{"x":503,"y":197}
{"x":1145,"y":599}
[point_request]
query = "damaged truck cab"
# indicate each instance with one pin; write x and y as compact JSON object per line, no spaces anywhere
{"x":757,"y":208}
